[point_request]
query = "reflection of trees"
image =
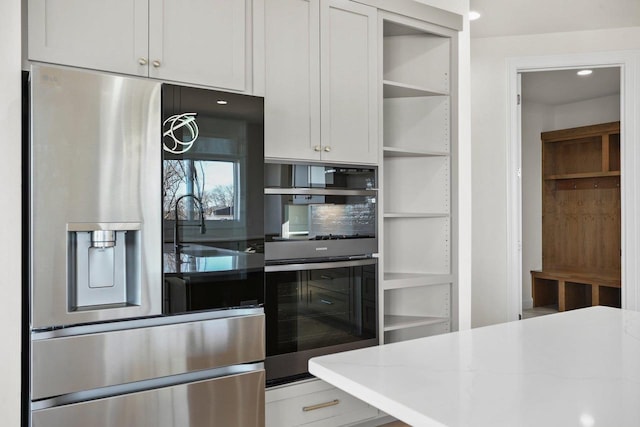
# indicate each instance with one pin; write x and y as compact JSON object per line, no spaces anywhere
{"x":174,"y":176}
{"x":174,"y":183}
{"x":220,"y":196}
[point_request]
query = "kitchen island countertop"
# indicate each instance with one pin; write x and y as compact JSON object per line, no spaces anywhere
{"x":576,"y":368}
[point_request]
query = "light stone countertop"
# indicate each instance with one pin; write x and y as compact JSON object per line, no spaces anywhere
{"x":577,"y":368}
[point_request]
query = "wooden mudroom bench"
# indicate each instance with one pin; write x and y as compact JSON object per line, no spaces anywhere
{"x":571,"y":290}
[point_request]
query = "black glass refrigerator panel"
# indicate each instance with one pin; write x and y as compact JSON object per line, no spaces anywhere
{"x":213,"y":199}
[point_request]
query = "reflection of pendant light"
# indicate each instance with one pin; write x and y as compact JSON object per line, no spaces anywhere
{"x":185,"y":120}
{"x":584,"y":72}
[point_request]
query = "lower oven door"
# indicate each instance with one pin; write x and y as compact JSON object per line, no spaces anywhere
{"x":317,"y":308}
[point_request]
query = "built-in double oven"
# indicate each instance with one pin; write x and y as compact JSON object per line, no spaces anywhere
{"x":321,"y":273}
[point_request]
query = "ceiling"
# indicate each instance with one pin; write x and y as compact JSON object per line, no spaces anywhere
{"x":518,"y":17}
{"x":565,"y":86}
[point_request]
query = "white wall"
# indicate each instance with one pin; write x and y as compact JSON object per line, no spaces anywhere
{"x":589,"y":112}
{"x":10,"y":214}
{"x":464,"y":159}
{"x":537,"y":118}
{"x":489,"y":88}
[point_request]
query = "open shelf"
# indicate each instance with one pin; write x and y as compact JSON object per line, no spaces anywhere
{"x":403,"y":152}
{"x":407,"y":280}
{"x":418,"y":245}
{"x":417,"y":277}
{"x":394,"y":322}
{"x":582,"y":175}
{"x":417,"y":125}
{"x":420,"y":185}
{"x":393,"y":89}
{"x":417,"y":59}
{"x":415,"y":215}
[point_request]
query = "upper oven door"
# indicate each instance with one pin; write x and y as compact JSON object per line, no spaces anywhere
{"x":319,"y":211}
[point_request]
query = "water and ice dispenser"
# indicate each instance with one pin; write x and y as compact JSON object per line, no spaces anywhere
{"x":103,"y":265}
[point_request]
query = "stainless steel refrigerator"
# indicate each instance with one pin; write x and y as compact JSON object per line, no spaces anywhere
{"x":102,"y":352}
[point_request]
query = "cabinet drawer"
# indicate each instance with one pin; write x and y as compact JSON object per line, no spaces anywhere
{"x":314,"y":404}
{"x":234,"y":400}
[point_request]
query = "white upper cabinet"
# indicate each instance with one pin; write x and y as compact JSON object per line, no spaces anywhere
{"x":321,"y":81}
{"x":110,"y":35}
{"x":198,"y":41}
{"x":203,"y":42}
{"x":292,"y":79}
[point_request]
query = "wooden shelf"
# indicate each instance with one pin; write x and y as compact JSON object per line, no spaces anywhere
{"x":582,"y":175}
{"x":393,"y":89}
{"x":581,"y":230}
{"x":402,"y":152}
{"x":415,"y":215}
{"x":407,"y":280}
{"x":571,"y":290}
{"x":394,"y":322}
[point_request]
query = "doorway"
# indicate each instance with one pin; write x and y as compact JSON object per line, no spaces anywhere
{"x":519,"y":227}
{"x":552,"y":101}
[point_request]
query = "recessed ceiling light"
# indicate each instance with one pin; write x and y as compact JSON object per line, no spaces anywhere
{"x":473,"y":15}
{"x":222,"y":102}
{"x":584,"y":72}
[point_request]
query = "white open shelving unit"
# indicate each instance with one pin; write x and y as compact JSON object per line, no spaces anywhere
{"x":418,"y":280}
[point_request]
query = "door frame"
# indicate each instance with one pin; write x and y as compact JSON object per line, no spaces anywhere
{"x":628,"y":61}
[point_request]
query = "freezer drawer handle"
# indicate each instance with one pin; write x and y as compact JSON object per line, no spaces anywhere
{"x":334,"y":402}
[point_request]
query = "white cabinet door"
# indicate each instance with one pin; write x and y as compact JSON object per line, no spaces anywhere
{"x":349,"y":82}
{"x":203,"y":42}
{"x":321,"y":81}
{"x":199,"y":41}
{"x":292,"y":79}
{"x":106,"y":35}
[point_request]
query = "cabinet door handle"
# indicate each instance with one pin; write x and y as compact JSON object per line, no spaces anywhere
{"x":156,"y":63}
{"x":317,"y":148}
{"x":327,"y":148}
{"x":142,"y":61}
{"x":334,"y":402}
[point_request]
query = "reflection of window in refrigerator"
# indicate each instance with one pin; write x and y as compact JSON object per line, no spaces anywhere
{"x":215,"y":182}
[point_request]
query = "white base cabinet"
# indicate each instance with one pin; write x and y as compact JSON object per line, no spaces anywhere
{"x":201,"y":42}
{"x":321,"y":92}
{"x":314,"y":403}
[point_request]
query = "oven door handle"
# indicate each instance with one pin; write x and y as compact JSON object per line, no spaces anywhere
{"x":319,"y":265}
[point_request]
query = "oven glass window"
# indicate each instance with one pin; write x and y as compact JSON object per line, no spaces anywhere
{"x":313,"y":309}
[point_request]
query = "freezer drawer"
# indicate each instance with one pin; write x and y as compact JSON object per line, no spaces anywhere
{"x":84,"y":362}
{"x":236,"y":400}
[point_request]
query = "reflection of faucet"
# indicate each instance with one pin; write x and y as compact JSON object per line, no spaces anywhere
{"x":176,"y":240}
